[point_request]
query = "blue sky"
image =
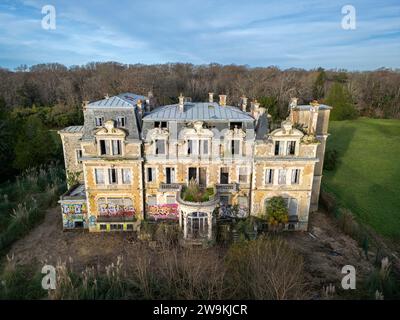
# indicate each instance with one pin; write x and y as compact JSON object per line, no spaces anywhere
{"x":301,"y":34}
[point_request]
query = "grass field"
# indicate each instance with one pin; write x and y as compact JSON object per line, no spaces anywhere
{"x":367,"y":177}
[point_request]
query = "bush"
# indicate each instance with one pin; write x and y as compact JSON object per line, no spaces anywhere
{"x":277,"y":211}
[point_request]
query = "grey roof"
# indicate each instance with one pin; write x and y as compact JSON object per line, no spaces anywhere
{"x":198,"y":111}
{"x":123,"y":100}
{"x":72,"y":129}
{"x":307,"y":107}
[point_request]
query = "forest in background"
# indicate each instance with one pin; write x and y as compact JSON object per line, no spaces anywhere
{"x":49,"y":96}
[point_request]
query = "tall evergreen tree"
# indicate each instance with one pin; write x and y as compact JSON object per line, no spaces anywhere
{"x":319,"y":85}
{"x":340,"y":99}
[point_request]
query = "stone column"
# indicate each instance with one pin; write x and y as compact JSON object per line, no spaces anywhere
{"x":209,"y":219}
{"x":185,"y":226}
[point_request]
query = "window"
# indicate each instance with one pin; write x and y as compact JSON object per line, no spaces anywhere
{"x":224,"y":175}
{"x":121,"y":122}
{"x":116,"y":226}
{"x":205,"y":146}
{"x":99,"y":174}
{"x":282,"y":176}
{"x":295,"y":176}
{"x":243,"y":176}
{"x":129,"y":227}
{"x":126,"y":176}
{"x":291,"y":147}
{"x":190,"y":147}
{"x":279,"y":145}
{"x":269,"y":176}
{"x":99,"y":121}
{"x":291,"y":204}
{"x":162,"y":124}
{"x":192,"y":174}
{"x":234,"y":125}
{"x":78,"y":156}
{"x":116,"y":147}
{"x":160,"y":147}
{"x":151,"y":174}
{"x":235,"y":147}
{"x":103,"y":227}
{"x":112,"y":176}
{"x":103,"y":149}
{"x":169,"y":175}
{"x":152,"y":200}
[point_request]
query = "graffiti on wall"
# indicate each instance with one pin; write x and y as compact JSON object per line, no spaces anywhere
{"x":163,"y":211}
{"x":116,"y":210}
{"x":74,"y":215}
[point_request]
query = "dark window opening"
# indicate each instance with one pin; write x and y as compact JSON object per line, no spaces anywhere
{"x":192,"y":174}
{"x":277,"y":144}
{"x":103,"y":147}
{"x":150,"y":176}
{"x":234,"y":125}
{"x":291,"y":147}
{"x":224,"y":175}
{"x":78,"y":224}
{"x":162,"y":124}
{"x":235,"y":146}
{"x":190,"y":146}
{"x":113,"y":176}
{"x":103,"y":227}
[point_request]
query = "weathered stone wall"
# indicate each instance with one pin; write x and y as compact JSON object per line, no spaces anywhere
{"x":71,"y":143}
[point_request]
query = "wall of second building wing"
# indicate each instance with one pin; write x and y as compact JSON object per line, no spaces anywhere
{"x":106,"y":189}
{"x":71,"y":146}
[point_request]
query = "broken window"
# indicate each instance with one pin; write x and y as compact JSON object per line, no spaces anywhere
{"x":112,"y":176}
{"x":291,"y":147}
{"x":121,"y":122}
{"x":295,"y":176}
{"x":169,"y":175}
{"x":269,"y":176}
{"x":151,"y":176}
{"x":235,"y":147}
{"x":190,"y":147}
{"x":99,"y":121}
{"x":116,"y":147}
{"x":224,"y":175}
{"x":160,"y":147}
{"x":103,"y":149}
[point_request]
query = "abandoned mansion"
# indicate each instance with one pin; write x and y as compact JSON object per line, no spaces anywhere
{"x":190,"y":162}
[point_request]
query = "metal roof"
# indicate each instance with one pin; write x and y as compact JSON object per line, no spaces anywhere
{"x":198,"y":111}
{"x":123,"y":100}
{"x":72,"y":129}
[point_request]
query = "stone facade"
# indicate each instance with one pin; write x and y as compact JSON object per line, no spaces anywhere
{"x":135,"y":164}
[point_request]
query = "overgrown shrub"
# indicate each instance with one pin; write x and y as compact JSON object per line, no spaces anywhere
{"x":331,"y":159}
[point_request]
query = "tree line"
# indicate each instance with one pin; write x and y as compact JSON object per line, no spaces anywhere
{"x":49,"y":96}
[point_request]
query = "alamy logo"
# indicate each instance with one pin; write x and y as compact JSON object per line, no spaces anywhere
{"x":349,"y":280}
{"x":349,"y":20}
{"x":49,"y":20}
{"x":49,"y":280}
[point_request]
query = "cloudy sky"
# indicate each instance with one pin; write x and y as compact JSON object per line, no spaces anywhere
{"x":302,"y":34}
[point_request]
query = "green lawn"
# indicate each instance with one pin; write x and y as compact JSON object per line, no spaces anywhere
{"x":367,"y":177}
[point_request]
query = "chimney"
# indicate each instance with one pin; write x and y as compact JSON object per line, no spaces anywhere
{"x":222,"y":100}
{"x":139,"y":105}
{"x":244,"y":104}
{"x":314,"y":107}
{"x":85,"y":103}
{"x":106,"y":96}
{"x":181,"y":102}
{"x":211,"y":97}
{"x":255,"y":106}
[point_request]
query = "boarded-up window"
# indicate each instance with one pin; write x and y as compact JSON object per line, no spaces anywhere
{"x":243,"y":175}
{"x":282,"y":176}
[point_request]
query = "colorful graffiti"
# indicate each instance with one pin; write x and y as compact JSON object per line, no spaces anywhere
{"x":116,"y":210}
{"x":163,"y":211}
{"x":74,"y":215}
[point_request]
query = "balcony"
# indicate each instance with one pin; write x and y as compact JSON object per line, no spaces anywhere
{"x":229,"y":187}
{"x":169,"y":187}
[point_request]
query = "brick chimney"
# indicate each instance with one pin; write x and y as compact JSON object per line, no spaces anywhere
{"x":211,"y":97}
{"x":255,"y":109}
{"x":222,"y":100}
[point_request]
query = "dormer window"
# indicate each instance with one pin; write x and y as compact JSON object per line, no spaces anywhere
{"x":99,"y":121}
{"x":160,"y":124}
{"x":237,"y":125}
{"x":116,"y":147}
{"x":291,"y":148}
{"x":103,"y":149}
{"x":121,"y":122}
{"x":279,"y":147}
